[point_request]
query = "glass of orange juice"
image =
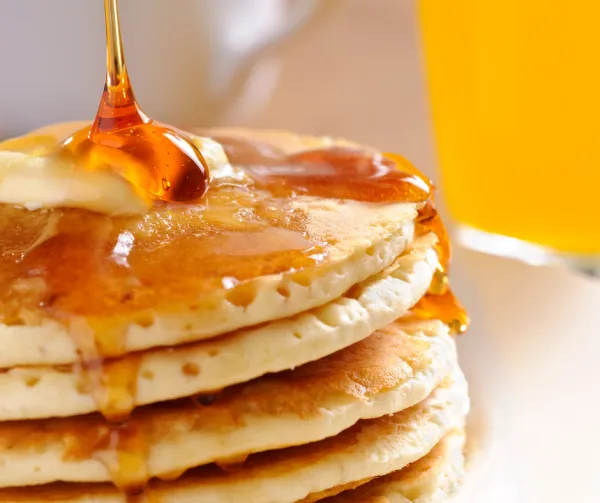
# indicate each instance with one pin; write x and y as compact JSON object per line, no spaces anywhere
{"x":515,"y":95}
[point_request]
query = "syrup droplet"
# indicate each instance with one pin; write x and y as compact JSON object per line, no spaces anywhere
{"x":152,"y":156}
{"x":233,"y":465}
{"x":444,"y":307}
{"x":125,"y":456}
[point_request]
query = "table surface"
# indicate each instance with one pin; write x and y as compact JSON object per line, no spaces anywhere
{"x":533,"y":352}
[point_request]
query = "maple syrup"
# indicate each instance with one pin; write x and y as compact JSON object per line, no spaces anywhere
{"x":341,"y":173}
{"x":352,"y":174}
{"x":152,"y":156}
{"x":125,"y":455}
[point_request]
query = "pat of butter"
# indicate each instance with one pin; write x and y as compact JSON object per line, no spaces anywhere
{"x":44,"y":182}
{"x":37,"y":182}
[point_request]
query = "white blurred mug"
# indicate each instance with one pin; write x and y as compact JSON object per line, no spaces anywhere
{"x":187,"y":58}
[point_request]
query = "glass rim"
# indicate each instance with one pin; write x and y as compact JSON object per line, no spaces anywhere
{"x":524,"y":251}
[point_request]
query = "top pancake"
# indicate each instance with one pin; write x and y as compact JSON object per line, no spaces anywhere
{"x":182,"y":273}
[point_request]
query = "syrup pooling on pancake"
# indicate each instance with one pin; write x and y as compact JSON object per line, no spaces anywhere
{"x":341,"y":173}
{"x":348,"y":173}
{"x":71,"y":263}
{"x":333,"y":173}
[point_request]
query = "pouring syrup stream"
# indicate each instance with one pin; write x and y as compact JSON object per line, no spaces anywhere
{"x":154,"y":157}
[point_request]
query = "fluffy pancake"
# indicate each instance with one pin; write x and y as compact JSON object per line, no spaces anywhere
{"x":294,"y":257}
{"x":165,"y":374}
{"x":369,"y":449}
{"x":102,"y":285}
{"x":432,"y":479}
{"x":391,"y":370}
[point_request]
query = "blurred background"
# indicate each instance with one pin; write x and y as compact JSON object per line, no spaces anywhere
{"x":514,"y":100}
{"x":340,"y":67}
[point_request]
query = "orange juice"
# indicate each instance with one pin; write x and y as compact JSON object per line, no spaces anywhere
{"x":515,"y":94}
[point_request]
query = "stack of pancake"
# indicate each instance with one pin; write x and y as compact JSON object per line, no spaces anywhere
{"x":261,"y":347}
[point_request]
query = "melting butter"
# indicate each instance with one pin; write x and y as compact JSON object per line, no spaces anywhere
{"x":32,"y":178}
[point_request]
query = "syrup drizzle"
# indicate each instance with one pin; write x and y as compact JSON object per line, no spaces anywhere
{"x":439,"y":302}
{"x":125,"y":456}
{"x":162,"y":161}
{"x":154,"y":157}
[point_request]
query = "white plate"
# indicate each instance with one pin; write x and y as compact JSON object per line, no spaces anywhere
{"x":532,"y":357}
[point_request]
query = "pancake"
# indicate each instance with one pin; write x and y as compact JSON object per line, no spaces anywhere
{"x":434,"y":478}
{"x":391,"y":370}
{"x":412,"y":269}
{"x":369,"y":449}
{"x":98,"y":285}
{"x":165,"y":374}
{"x":286,"y":339}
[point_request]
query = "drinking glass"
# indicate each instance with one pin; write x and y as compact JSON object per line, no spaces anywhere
{"x":515,"y":95}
